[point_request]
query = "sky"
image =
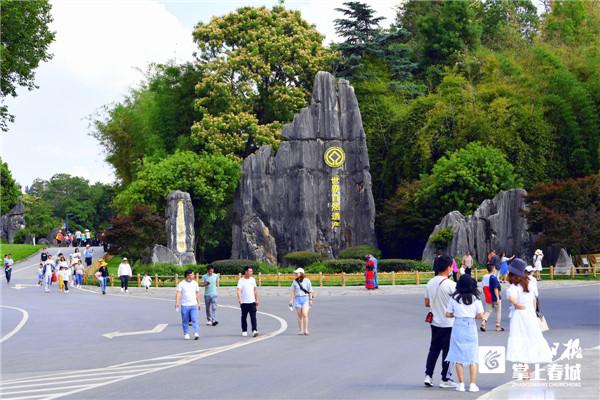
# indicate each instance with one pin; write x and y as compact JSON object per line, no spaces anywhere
{"x":101,"y":49}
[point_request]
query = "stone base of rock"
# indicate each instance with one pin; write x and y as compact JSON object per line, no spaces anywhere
{"x":163,"y":255}
{"x":498,"y":224}
{"x":564,"y":264}
{"x":12,"y":222}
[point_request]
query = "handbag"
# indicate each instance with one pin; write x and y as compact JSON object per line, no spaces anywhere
{"x":429,"y":316}
{"x":54,"y":277}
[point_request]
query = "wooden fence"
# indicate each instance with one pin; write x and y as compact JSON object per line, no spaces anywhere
{"x":343,"y":279}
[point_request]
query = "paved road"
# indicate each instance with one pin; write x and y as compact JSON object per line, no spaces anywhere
{"x":362,"y":346}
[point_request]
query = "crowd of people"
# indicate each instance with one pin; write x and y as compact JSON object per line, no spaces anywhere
{"x":456,"y":305}
{"x":77,"y":239}
{"x":187,"y":300}
{"x":64,"y":270}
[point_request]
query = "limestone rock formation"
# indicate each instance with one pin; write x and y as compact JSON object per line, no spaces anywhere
{"x":564,"y":263}
{"x":498,"y":224}
{"x":12,"y":222}
{"x":181,"y":239}
{"x":300,"y":199}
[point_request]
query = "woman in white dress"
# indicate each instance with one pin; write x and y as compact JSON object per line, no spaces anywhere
{"x":526,"y":343}
{"x":538,"y":256}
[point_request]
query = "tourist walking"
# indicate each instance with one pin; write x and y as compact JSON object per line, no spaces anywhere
{"x":495,"y":260}
{"x":103,"y":275}
{"x":77,"y":238}
{"x":59,"y":238}
{"x":301,"y":298}
{"x":526,"y":343}
{"x":369,"y":274}
{"x":146,"y":282}
{"x":247,"y":295}
{"x":64,"y":275}
{"x":61,"y":266}
{"x":533,"y":286}
{"x":124,"y":272}
{"x":467,"y":261}
{"x":538,"y":256}
{"x":437,"y":296}
{"x":492,"y":296}
{"x":210,"y":282}
{"x":49,"y":272}
{"x":465,"y":306}
{"x":187,"y":299}
{"x":8,"y":265}
{"x":88,"y":254}
{"x":454,"y":270}
{"x":79,"y":270}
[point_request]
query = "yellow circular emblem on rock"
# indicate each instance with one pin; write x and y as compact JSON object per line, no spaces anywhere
{"x":334,"y":157}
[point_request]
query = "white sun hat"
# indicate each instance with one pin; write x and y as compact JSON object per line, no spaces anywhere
{"x":299,"y":271}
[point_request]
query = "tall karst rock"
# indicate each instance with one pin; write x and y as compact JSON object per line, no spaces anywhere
{"x":314,"y":193}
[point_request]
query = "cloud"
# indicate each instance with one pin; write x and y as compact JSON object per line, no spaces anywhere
{"x":99,"y":50}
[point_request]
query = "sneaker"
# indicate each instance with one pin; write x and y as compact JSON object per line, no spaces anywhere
{"x":244,"y":334}
{"x":215,"y":323}
{"x":254,"y":333}
{"x":449,"y":384}
{"x":460,"y":387}
{"x":196,"y":336}
{"x":126,"y":290}
{"x":208,"y":323}
{"x":427,"y":381}
{"x":473,"y":388}
{"x":186,"y":336}
{"x":122,"y":290}
{"x":103,"y":292}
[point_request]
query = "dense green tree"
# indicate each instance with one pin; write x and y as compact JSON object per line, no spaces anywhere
{"x":73,"y":200}
{"x":505,"y":23}
{"x":259,"y":68}
{"x":466,"y":177}
{"x":566,"y":214}
{"x":133,"y":235}
{"x":573,"y":22}
{"x":23,"y":45}
{"x":153,"y":120}
{"x":39,"y":220}
{"x":10,"y":191}
{"x":211,"y":181}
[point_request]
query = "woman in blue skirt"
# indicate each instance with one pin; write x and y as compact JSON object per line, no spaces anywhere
{"x":465,"y":307}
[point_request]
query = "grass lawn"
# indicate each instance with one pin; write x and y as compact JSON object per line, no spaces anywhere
{"x":19,"y":251}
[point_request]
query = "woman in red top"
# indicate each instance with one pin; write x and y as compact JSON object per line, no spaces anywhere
{"x":370,"y":275}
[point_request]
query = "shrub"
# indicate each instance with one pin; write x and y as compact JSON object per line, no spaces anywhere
{"x":302,"y":258}
{"x":359,"y":252}
{"x":442,"y":238}
{"x":402,"y":265}
{"x":234,"y":267}
{"x":167,"y":269}
{"x":344,"y":265}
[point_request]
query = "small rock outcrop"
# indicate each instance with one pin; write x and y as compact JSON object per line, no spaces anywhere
{"x":498,"y":224}
{"x":314,"y":193}
{"x":181,"y":239}
{"x":564,"y":263}
{"x":12,"y":222}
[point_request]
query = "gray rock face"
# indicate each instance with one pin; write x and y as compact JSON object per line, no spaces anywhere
{"x":497,"y":224}
{"x":12,"y":222}
{"x":564,"y":263}
{"x":289,"y":201}
{"x":181,"y":238}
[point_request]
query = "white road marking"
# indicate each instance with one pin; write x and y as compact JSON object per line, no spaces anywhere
{"x":41,"y":386}
{"x":157,"y":329}
{"x":19,"y":325}
{"x":20,"y":286}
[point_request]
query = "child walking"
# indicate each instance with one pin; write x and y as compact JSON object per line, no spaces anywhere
{"x":40,"y":275}
{"x":146,"y":282}
{"x":465,"y":307}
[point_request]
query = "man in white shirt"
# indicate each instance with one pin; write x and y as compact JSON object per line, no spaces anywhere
{"x":247,"y":294}
{"x":188,"y":298}
{"x":438,"y":291}
{"x":124,"y":273}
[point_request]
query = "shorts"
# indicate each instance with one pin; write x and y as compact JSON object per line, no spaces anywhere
{"x":300,"y":301}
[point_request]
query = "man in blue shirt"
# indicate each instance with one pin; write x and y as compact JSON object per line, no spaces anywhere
{"x":210,"y":283}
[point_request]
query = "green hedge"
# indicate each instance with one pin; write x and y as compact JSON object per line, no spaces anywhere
{"x":402,"y":265}
{"x":344,"y":265}
{"x":359,"y":252}
{"x":302,"y":258}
